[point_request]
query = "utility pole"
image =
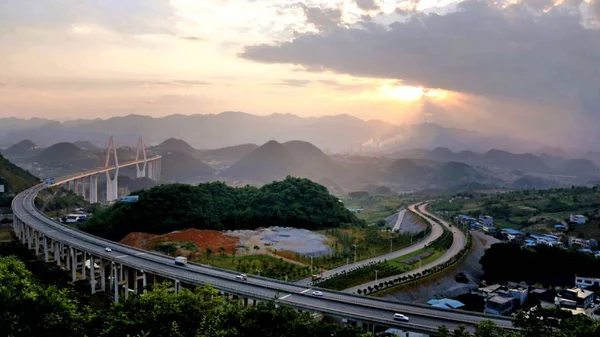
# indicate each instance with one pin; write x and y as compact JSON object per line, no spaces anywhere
{"x":311,"y":266}
{"x":355,"y":253}
{"x":375,"y":276}
{"x":391,"y":238}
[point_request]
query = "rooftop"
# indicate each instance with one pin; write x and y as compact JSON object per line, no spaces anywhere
{"x":446,"y":303}
{"x":500,"y":299}
{"x":512,"y":231}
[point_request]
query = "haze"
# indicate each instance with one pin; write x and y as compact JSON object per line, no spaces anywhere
{"x":528,"y":68}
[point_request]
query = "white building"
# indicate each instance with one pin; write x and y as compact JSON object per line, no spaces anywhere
{"x":584,"y":282}
{"x":578,"y":219}
{"x":486,"y":220}
{"x":583,"y":243}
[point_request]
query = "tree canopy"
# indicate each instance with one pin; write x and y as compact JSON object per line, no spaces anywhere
{"x":293,"y":202}
{"x":29,"y":308}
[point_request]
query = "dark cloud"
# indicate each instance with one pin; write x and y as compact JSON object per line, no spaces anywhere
{"x":367,"y":5}
{"x":479,"y":49}
{"x":322,"y":18}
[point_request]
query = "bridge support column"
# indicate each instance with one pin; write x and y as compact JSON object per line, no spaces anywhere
{"x":112,"y":276}
{"x":126,"y":272}
{"x":74,"y":264}
{"x":115,"y":282}
{"x":45,"y":244}
{"x":93,"y":189}
{"x":29,"y":243}
{"x":92,"y":274}
{"x":102,"y":275}
{"x":83,"y":265}
{"x":144,"y":281}
{"x":56,"y":253}
{"x":23,"y":232}
{"x":177,"y":286}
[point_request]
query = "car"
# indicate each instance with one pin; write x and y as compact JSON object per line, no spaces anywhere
{"x":108,"y":249}
{"x":400,"y":317}
{"x":241,"y":277}
{"x":317,"y":293}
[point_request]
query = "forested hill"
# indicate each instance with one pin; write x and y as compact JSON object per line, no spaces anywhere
{"x":15,"y":177}
{"x":293,"y":202}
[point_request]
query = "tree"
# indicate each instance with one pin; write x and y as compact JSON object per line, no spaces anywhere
{"x":208,"y":253}
{"x":256,"y":248}
{"x":221,"y":250}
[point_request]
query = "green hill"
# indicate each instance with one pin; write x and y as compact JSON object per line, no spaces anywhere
{"x":14,"y":179}
{"x":292,"y":202}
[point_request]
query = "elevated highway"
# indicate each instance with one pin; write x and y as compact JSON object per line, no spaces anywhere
{"x":126,"y":270}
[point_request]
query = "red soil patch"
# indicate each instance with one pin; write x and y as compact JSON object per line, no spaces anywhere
{"x":202,"y":238}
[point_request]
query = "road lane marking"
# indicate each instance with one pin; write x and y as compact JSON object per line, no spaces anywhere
{"x":121,"y":256}
{"x":302,"y":292}
{"x":284,"y":297}
{"x":139,"y":254}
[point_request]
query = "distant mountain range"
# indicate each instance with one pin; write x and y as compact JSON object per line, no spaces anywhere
{"x":340,"y":133}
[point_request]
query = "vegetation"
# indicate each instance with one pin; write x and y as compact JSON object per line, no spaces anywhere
{"x":292,"y":202}
{"x":29,"y":307}
{"x":547,"y":265}
{"x":56,"y":201}
{"x":535,"y":323}
{"x":15,"y":180}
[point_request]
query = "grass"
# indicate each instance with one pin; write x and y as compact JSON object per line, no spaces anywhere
{"x":268,"y":266}
{"x":6,"y":234}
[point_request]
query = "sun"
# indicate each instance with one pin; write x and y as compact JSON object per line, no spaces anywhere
{"x":412,"y":94}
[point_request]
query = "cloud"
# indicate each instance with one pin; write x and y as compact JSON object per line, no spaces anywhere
{"x":131,"y":16}
{"x":479,"y":49}
{"x":293,"y":83}
{"x":192,"y":38}
{"x":322,"y":18}
{"x":367,"y":5}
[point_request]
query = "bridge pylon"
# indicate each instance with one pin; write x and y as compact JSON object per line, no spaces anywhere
{"x":141,"y":150}
{"x":112,"y":184}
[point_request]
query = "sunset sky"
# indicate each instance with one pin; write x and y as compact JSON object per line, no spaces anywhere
{"x":487,"y":65}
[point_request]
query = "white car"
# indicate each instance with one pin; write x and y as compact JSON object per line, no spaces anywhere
{"x":241,"y":277}
{"x":400,"y":317}
{"x":108,"y":249}
{"x":317,"y":293}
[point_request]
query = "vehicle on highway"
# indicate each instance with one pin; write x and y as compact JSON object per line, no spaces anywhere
{"x":108,"y":249}
{"x":400,"y":317}
{"x":241,"y":277}
{"x":316,"y":277}
{"x":317,"y":293}
{"x":180,"y":260}
{"x":49,"y":181}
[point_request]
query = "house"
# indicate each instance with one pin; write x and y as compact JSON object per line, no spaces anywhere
{"x":578,"y":219}
{"x":584,"y":282}
{"x":446,"y":303}
{"x":393,"y":332}
{"x":561,"y":227}
{"x":512,"y":234}
{"x":464,"y":219}
{"x":500,"y":305}
{"x":548,"y":240}
{"x":486,"y":220}
{"x":582,"y":243}
{"x":575,"y":297}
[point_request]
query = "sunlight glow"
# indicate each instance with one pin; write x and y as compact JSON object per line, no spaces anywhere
{"x":411,"y":94}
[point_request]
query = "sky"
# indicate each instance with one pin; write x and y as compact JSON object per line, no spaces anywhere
{"x":523,"y":67}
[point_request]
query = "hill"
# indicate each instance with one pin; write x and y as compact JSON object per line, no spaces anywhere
{"x":270,"y":162}
{"x":177,"y":145}
{"x":454,"y":173}
{"x":136,"y":184}
{"x":441,"y":154}
{"x":406,"y":170}
{"x":579,"y":167}
{"x":59,"y":153}
{"x":85,"y":145}
{"x":313,"y":162}
{"x":14,"y":178}
{"x":292,"y":202}
{"x":526,"y":162}
{"x":533,"y":183}
{"x":22,"y":148}
{"x":227,"y":154}
{"x":182,"y":167}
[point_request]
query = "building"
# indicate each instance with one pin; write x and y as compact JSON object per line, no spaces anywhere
{"x":561,"y":227}
{"x":500,"y":305}
{"x":463,"y":219}
{"x":582,"y":243}
{"x":585,"y":282}
{"x":486,"y":220}
{"x":575,"y":297}
{"x":512,"y":234}
{"x":503,"y":299}
{"x":446,"y":303}
{"x":578,"y":219}
{"x":548,"y":240}
{"x":488,"y":229}
{"x":393,"y":332}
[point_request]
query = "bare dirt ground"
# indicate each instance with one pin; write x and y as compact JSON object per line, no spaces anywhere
{"x":445,"y":285}
{"x":202,"y":238}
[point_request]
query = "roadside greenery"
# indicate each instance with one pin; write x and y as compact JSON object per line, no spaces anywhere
{"x":29,"y":307}
{"x":293,"y":202}
{"x":14,"y":179}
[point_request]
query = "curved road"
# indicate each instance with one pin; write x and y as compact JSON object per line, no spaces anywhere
{"x":458,"y":243}
{"x":436,"y":232}
{"x":423,"y":318}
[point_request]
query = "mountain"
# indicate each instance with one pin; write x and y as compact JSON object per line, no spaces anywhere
{"x":14,"y":178}
{"x":59,"y":153}
{"x":579,"y":167}
{"x":22,"y":148}
{"x":182,"y":167}
{"x":85,"y":145}
{"x":527,"y":162}
{"x":407,"y":171}
{"x":227,"y":154}
{"x":340,"y":133}
{"x":533,"y":183}
{"x":441,"y":154}
{"x":312,"y":161}
{"x":136,"y":184}
{"x":272,"y":161}
{"x":177,"y":145}
{"x":454,"y":173}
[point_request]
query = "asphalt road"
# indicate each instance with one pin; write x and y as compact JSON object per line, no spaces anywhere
{"x":458,"y":243}
{"x":436,"y":232}
{"x":332,"y":302}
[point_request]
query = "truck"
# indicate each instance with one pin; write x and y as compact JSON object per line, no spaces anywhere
{"x":180,"y":260}
{"x":316,"y":277}
{"x":49,"y":181}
